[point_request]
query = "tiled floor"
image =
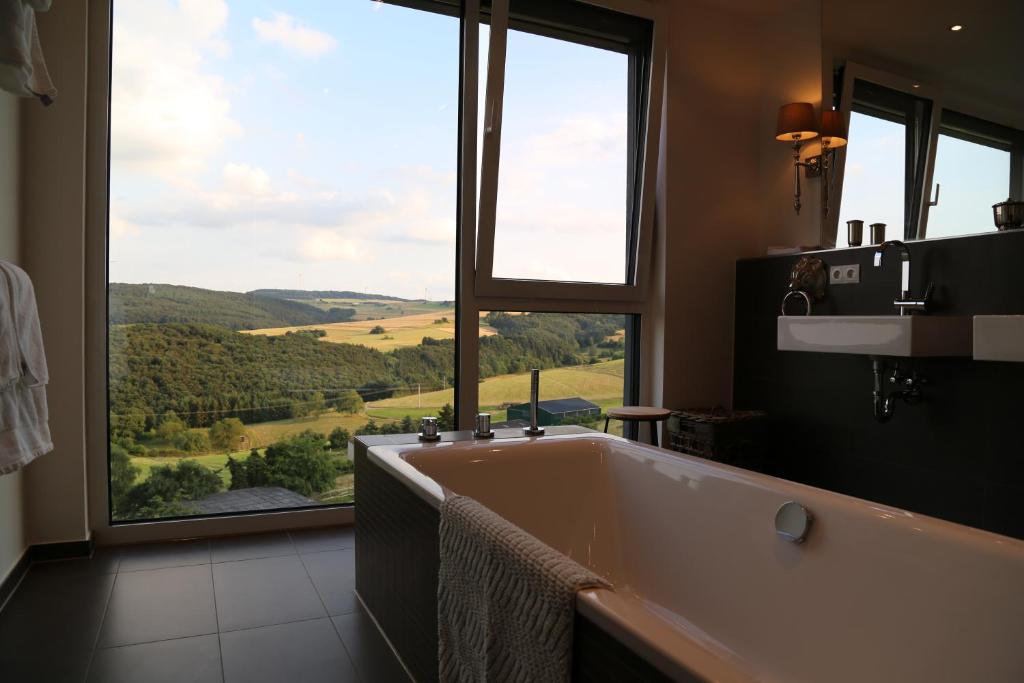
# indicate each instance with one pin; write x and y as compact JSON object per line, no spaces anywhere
{"x":270,"y":607}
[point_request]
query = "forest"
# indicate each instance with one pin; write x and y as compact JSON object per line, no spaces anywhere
{"x":204,"y":373}
{"x":155,"y":303}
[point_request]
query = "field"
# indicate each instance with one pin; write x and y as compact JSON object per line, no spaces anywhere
{"x":399,"y":331}
{"x":600,"y":383}
{"x":370,"y":309}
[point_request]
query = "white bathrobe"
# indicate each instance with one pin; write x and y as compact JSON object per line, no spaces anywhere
{"x":24,"y":420}
{"x":22,"y":67}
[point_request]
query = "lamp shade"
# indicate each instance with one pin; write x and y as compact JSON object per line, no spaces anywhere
{"x":796,"y":122}
{"x":833,"y":128}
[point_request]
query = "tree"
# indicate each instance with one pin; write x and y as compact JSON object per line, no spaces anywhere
{"x":256,"y":470}
{"x":407,"y":425}
{"x":339,"y":438}
{"x":369,"y":428}
{"x":191,"y":441}
{"x":350,"y":402}
{"x":301,"y":464}
{"x":167,"y":488}
{"x":170,"y":426}
{"x":122,"y":477}
{"x":316,"y":404}
{"x":377,"y":329}
{"x":226,"y":434}
{"x":239,"y":474}
{"x":446,"y":418}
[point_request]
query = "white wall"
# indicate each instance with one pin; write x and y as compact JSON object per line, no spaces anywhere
{"x":12,"y":530}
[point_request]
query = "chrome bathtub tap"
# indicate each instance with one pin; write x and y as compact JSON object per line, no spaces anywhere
{"x":905,"y":303}
{"x":534,"y":429}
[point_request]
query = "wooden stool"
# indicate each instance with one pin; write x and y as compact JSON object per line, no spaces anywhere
{"x":639,"y":414}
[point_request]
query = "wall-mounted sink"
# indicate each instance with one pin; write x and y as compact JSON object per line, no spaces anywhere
{"x":877,"y":335}
{"x":999,"y":337}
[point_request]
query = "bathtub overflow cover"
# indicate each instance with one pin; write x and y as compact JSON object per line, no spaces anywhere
{"x":793,"y":521}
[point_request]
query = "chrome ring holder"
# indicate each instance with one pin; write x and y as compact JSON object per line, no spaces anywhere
{"x":797,"y":292}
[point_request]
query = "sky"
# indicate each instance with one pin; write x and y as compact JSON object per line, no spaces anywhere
{"x":312,"y":144}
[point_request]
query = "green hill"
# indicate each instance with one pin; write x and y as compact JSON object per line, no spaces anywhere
{"x":298,"y":294}
{"x":158,"y":303}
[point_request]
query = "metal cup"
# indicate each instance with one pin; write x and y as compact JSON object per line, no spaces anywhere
{"x":877,"y":233}
{"x":483,"y":426}
{"x":854,"y":233}
{"x":428,"y":429}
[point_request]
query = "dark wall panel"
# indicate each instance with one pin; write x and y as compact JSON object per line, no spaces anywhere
{"x":959,"y":455}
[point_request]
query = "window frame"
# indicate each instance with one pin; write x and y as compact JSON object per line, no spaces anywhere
{"x":646,"y":77}
{"x":921,"y":137}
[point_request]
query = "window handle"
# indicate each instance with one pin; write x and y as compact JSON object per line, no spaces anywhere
{"x":936,"y":202}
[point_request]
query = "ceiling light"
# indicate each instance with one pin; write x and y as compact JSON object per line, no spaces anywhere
{"x":956,"y":27}
{"x":916,"y":85}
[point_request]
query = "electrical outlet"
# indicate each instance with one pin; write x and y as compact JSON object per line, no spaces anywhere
{"x":844,"y":275}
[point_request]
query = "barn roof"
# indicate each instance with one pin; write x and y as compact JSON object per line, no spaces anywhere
{"x":563,"y":405}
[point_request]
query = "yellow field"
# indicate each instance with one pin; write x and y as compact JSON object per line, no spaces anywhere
{"x":600,"y":383}
{"x":408,"y":330}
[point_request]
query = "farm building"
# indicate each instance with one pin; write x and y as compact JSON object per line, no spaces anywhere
{"x":556,"y":411}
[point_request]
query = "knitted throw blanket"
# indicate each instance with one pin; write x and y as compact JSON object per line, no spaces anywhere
{"x":506,"y":601}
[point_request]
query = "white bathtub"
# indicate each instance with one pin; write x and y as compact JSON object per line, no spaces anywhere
{"x":703,"y":585}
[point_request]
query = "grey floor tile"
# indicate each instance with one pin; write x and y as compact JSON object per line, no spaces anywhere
{"x":306,"y":651}
{"x":159,"y":604}
{"x":272,"y":590}
{"x":371,"y":654}
{"x":334,"y":576}
{"x":184,"y":660}
{"x":53,"y":613}
{"x":162,"y":555}
{"x":328,"y":538}
{"x":251,"y":547}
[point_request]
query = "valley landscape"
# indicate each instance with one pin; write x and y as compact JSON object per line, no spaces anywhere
{"x":223,"y":391}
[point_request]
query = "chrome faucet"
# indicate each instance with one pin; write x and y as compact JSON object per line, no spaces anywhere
{"x":905,"y":303}
{"x":534,"y":429}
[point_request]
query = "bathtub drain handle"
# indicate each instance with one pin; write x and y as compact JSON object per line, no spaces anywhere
{"x":793,"y":521}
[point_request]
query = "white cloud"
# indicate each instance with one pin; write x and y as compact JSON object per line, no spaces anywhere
{"x":246,"y":180}
{"x":286,"y":32}
{"x":327,"y":245}
{"x":169,"y":113}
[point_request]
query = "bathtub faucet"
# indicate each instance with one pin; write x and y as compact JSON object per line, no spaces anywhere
{"x":534,"y":429}
{"x":908,"y":389}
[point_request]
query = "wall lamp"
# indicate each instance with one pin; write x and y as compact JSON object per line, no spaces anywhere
{"x":797,"y":124}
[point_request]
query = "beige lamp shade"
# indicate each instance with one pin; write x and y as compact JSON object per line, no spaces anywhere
{"x":833,"y":129}
{"x":796,"y":122}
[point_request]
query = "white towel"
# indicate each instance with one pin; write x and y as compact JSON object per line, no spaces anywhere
{"x":22,"y":67}
{"x":24,"y":420}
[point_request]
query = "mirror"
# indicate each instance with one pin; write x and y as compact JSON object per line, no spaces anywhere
{"x":935,"y":116}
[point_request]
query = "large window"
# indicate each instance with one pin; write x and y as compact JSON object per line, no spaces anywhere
{"x":282,"y":231}
{"x":296,"y":251}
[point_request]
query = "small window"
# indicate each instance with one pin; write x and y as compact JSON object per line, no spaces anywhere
{"x":973,"y":165}
{"x":886,"y":158}
{"x":566,"y":175}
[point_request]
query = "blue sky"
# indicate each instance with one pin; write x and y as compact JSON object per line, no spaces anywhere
{"x":312,"y":144}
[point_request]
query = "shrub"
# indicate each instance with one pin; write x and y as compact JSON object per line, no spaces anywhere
{"x":191,"y":441}
{"x":377,"y":329}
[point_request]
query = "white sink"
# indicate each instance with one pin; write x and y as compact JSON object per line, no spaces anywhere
{"x":999,"y":337}
{"x":877,"y":335}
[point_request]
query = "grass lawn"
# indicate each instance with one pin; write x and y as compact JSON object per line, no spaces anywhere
{"x":400,"y":331}
{"x":265,"y":433}
{"x":214,"y":461}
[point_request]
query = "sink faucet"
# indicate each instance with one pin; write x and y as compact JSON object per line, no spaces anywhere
{"x":534,"y":429}
{"x":905,"y":303}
